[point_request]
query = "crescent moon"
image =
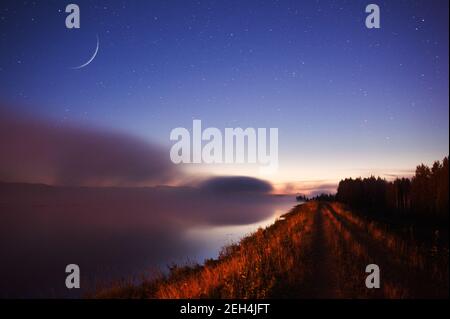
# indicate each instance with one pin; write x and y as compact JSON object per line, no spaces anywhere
{"x":91,"y":59}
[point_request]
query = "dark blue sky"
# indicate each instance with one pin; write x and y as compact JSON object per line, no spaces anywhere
{"x":347,"y":100}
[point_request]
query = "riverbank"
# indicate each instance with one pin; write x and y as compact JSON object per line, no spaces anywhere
{"x":317,"y":250}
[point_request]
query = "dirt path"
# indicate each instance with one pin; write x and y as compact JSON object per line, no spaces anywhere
{"x":341,"y":247}
{"x":339,"y":250}
{"x":408,"y":269}
{"x":322,"y":262}
{"x":321,"y":281}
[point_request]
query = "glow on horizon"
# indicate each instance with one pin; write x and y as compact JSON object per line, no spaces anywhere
{"x":302,"y":176}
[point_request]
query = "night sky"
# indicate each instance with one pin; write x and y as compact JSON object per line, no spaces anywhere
{"x":348,"y":101}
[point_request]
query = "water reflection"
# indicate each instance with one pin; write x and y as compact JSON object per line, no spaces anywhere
{"x":114,"y":233}
{"x":212,"y":239}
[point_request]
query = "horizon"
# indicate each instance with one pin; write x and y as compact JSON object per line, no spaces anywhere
{"x":187,"y":177}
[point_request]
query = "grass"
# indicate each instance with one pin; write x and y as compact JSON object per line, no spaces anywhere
{"x":317,"y":250}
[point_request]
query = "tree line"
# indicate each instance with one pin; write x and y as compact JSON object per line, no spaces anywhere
{"x":320,"y":197}
{"x":425,"y":194}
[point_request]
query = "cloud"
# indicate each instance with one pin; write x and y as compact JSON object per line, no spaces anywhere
{"x":309,"y":188}
{"x":36,"y":151}
{"x":236,"y":184}
{"x":323,"y":189}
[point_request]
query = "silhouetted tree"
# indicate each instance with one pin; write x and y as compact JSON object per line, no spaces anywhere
{"x":426,"y":193}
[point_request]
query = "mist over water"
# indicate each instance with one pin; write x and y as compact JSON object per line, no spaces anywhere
{"x":98,"y":216}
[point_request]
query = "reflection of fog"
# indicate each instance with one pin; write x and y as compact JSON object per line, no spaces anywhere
{"x":213,"y":238}
{"x":113,"y":232}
